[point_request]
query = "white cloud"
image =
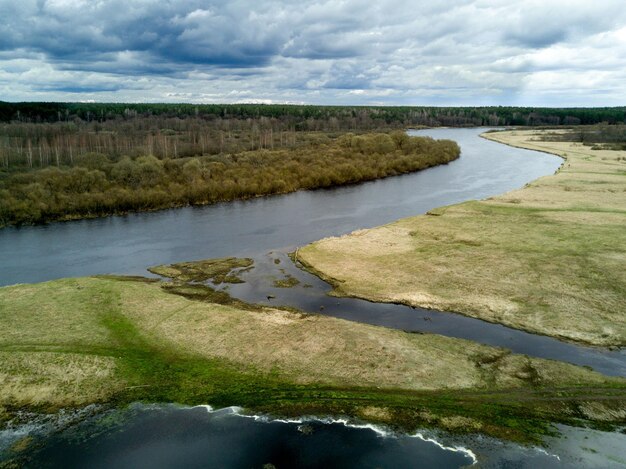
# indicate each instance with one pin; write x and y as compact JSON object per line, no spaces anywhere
{"x":562,"y":53}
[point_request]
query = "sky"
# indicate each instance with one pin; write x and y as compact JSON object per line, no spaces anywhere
{"x":353,"y":52}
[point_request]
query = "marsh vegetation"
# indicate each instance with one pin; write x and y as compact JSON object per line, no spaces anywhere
{"x":218,"y":271}
{"x":598,"y":137}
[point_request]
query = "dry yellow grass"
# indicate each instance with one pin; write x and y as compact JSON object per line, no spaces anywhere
{"x":36,"y":315}
{"x":548,"y":258}
{"x":319,"y":349}
{"x":51,"y":378}
{"x":54,"y":350}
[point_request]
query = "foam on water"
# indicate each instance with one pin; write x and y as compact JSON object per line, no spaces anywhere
{"x":576,"y":447}
{"x":378,"y":429}
{"x":457,"y":449}
{"x":543,"y":451}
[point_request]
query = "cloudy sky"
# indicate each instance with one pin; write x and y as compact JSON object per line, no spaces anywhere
{"x":438,"y":52}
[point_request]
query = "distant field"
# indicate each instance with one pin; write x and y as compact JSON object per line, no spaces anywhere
{"x":548,"y":258}
{"x":71,"y":342}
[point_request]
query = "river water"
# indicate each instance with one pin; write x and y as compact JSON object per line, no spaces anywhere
{"x":169,"y":436}
{"x":266,"y":229}
{"x":129,"y":244}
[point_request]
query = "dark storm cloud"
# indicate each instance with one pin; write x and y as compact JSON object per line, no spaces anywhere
{"x":189,"y":32}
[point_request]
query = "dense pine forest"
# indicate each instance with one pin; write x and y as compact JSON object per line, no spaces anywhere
{"x":306,"y":117}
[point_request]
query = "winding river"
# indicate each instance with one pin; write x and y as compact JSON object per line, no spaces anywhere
{"x":129,"y":244}
{"x":266,"y":229}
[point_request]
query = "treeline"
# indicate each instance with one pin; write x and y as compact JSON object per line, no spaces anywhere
{"x":97,"y":185}
{"x":608,"y":137}
{"x":327,"y":118}
{"x":28,"y":145}
{"x":37,"y":135}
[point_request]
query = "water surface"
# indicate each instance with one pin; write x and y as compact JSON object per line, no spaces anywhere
{"x":168,"y":436}
{"x":129,"y":244}
{"x":164,"y":437}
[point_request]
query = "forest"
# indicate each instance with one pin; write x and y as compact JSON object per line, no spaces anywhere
{"x":44,"y":134}
{"x":308,"y":117}
{"x":74,"y":160}
{"x":120,"y":179}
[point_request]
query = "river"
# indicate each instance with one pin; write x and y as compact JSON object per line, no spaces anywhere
{"x":128,"y":244}
{"x":266,"y":229}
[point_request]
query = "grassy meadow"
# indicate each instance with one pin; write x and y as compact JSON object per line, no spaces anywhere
{"x":548,"y":258}
{"x":115,"y":340}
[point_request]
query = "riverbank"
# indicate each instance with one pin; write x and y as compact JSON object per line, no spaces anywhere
{"x":115,"y":340}
{"x":547,"y":258}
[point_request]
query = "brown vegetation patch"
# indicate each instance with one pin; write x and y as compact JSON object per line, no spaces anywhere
{"x":96,"y":185}
{"x":223,"y":270}
{"x":58,"y":379}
